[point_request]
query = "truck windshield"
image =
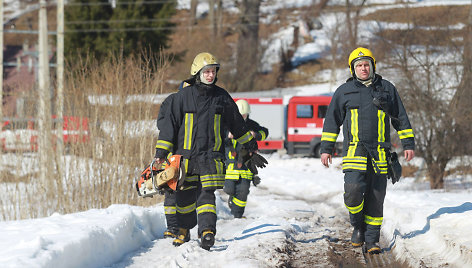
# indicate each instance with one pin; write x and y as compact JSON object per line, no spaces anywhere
{"x":304,"y":111}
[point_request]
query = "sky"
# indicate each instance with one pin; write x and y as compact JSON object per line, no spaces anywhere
{"x":420,"y":225}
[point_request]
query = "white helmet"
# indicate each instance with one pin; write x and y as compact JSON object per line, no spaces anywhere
{"x":243,"y":107}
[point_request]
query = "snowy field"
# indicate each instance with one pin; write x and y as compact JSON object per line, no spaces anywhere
{"x":420,"y":226}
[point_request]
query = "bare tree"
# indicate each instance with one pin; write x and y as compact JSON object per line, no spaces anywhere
{"x":353,"y":10}
{"x":193,"y":12}
{"x":461,"y":103}
{"x":216,"y":15}
{"x":434,"y":88}
{"x":247,"y":47}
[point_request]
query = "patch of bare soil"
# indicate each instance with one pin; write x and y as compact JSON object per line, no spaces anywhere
{"x":327,"y":244}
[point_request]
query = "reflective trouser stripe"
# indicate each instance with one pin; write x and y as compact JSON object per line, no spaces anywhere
{"x":188,"y":209}
{"x":373,"y":220}
{"x":206,"y":208}
{"x":356,"y":209}
{"x":170,"y":209}
{"x":239,"y":203}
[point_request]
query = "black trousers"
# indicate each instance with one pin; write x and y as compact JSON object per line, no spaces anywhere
{"x":238,"y":191}
{"x":364,"y":194}
{"x":170,"y":210}
{"x":196,"y":206}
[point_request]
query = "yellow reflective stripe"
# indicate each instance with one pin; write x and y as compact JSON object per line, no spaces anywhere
{"x":170,"y":209}
{"x":191,"y":178}
{"x":188,"y":131}
{"x":381,"y":126}
{"x":162,"y":144}
{"x":185,"y":210}
{"x":245,"y":138}
{"x":185,"y":162}
{"x":406,"y":133}
{"x":356,"y":209}
{"x":212,"y":180}
{"x":206,"y":208}
{"x":188,"y":188}
{"x":236,"y":174}
{"x":382,"y":156}
{"x":263,"y":135}
{"x":351,"y":151}
{"x":358,"y":159}
{"x":355,"y":125}
{"x":219,"y":166}
{"x":327,"y":136}
{"x":373,"y":220}
{"x":239,"y":203}
{"x":354,"y":166}
{"x":217,"y":130}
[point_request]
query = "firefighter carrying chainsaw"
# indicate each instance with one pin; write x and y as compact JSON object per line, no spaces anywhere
{"x":239,"y":173}
{"x":365,"y":105}
{"x":194,"y":127}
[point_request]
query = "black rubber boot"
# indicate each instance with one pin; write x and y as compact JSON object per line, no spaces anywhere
{"x":171,"y":233}
{"x":182,"y":237}
{"x":357,"y":238}
{"x":372,"y":248}
{"x":208,"y":239}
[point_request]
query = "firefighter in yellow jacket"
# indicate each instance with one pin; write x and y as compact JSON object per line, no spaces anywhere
{"x":365,"y":105}
{"x":238,"y":176}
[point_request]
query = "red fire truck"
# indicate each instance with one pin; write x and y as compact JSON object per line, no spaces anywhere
{"x":295,"y":124}
{"x":20,"y":134}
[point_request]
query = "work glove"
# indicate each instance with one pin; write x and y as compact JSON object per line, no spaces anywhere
{"x":394,"y":167}
{"x":256,"y":180}
{"x":256,"y":161}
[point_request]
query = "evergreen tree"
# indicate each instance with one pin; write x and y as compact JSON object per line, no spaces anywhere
{"x":98,"y":28}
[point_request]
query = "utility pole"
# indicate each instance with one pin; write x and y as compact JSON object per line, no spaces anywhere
{"x":60,"y":82}
{"x":1,"y":60}
{"x":44,"y":148}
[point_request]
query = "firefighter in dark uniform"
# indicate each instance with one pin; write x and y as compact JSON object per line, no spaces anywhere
{"x":238,"y":177}
{"x":365,"y":105}
{"x":193,"y":126}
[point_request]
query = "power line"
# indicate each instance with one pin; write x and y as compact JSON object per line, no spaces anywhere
{"x":117,"y":3}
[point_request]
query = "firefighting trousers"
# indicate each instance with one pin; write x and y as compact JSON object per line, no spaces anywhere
{"x":238,"y":191}
{"x":364,"y":194}
{"x":195,"y":205}
{"x":170,"y":210}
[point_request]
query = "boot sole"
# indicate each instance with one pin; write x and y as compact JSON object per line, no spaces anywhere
{"x":208,"y":240}
{"x":356,"y":245}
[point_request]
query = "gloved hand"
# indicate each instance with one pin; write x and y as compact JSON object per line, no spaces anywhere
{"x":251,"y":146}
{"x":394,"y":168}
{"x":255,"y":161}
{"x":256,"y":180}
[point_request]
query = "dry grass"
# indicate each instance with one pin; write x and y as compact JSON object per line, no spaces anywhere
{"x":102,"y":171}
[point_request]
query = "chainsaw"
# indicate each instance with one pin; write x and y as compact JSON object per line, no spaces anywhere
{"x":153,"y":180}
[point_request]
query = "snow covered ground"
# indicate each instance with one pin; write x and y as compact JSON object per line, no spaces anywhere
{"x":423,"y":227}
{"x":420,"y":226}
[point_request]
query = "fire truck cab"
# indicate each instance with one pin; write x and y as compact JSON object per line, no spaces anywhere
{"x":295,"y":124}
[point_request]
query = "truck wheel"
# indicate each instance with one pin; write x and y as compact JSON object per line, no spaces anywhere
{"x":316,"y":151}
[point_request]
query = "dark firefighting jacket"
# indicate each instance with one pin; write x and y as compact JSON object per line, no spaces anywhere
{"x":194,"y":127}
{"x":233,"y":171}
{"x":365,"y":114}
